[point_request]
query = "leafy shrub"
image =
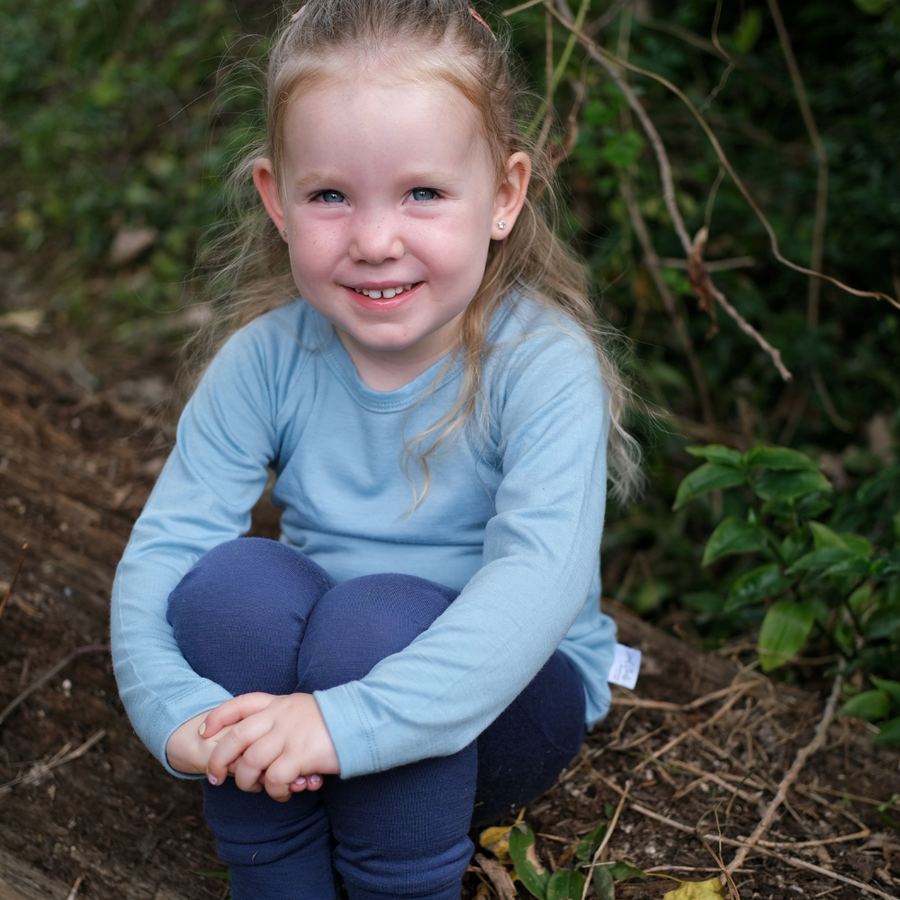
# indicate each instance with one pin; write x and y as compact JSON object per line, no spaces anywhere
{"x":812,"y":581}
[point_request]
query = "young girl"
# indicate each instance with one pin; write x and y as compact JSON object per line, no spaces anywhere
{"x":422,"y":650}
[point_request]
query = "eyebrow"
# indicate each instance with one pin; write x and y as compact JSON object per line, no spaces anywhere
{"x":422,"y":177}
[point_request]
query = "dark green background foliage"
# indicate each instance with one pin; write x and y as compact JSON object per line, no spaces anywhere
{"x":123,"y":115}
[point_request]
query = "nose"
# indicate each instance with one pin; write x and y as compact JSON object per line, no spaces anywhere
{"x":375,"y":237}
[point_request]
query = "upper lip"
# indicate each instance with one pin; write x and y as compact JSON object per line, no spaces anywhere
{"x":382,"y":285}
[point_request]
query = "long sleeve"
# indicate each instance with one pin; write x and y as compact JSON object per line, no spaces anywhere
{"x":203,"y":497}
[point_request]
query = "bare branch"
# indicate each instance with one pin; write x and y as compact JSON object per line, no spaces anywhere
{"x":609,"y":61}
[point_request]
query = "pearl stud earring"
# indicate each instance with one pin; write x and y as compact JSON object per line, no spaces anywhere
{"x":501,"y":224}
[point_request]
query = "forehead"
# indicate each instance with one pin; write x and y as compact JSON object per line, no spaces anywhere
{"x":357,"y":91}
{"x":422,"y":119}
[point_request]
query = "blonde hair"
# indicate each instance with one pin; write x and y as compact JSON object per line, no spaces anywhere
{"x":442,"y":40}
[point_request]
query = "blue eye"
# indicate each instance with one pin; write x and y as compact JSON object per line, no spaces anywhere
{"x":423,"y":194}
{"x":331,"y":197}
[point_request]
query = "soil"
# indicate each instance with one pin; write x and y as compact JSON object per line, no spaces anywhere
{"x":692,"y":759}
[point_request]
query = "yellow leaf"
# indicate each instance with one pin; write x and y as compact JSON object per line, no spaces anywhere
{"x":496,"y":840}
{"x":696,"y":890}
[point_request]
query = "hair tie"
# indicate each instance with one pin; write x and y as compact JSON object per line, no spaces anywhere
{"x":478,"y":18}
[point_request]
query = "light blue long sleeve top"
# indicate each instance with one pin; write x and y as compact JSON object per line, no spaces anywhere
{"x":513,"y":520}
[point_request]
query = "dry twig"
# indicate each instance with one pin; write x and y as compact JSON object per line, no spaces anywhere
{"x":11,"y":707}
{"x":792,"y":774}
{"x":739,"y":692}
{"x":41,"y":769}
{"x":605,"y":842}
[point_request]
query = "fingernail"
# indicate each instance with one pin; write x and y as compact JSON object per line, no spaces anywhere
{"x":202,"y":728}
{"x":212,"y":778}
{"x":299,"y":781}
{"x":315,"y":780}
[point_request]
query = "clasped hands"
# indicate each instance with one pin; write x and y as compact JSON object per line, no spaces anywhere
{"x":279,"y":744}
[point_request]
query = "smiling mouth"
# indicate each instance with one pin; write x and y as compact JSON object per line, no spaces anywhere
{"x":386,"y":293}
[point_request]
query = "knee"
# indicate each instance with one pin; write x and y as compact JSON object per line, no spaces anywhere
{"x":362,"y":621}
{"x":241,"y":578}
{"x":240,"y":614}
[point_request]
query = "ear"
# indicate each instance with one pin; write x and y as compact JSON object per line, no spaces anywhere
{"x":510,"y":196}
{"x":267,"y":185}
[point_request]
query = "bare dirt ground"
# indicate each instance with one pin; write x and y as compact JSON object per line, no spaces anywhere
{"x":706,"y":762}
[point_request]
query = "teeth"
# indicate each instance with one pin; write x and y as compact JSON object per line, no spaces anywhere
{"x":387,"y":293}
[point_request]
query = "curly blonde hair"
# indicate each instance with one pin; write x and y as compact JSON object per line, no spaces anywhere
{"x":455,"y":46}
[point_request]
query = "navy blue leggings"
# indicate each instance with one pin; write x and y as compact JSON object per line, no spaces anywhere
{"x":255,"y":615}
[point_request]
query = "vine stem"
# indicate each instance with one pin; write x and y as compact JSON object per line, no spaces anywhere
{"x":610,"y":61}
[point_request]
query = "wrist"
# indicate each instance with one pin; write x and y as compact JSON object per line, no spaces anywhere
{"x":186,"y":751}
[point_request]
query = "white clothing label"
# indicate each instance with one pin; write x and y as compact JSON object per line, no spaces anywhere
{"x":625,"y":667}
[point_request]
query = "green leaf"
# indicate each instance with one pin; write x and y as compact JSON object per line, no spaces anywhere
{"x":621,"y":870}
{"x":749,"y":31}
{"x":763,"y":582}
{"x":709,"y":477}
{"x":529,"y":869}
{"x":604,"y":884}
{"x":788,"y":485}
{"x":869,"y":705}
{"x":820,"y":559}
{"x":733,"y":535}
{"x":716,"y":453}
{"x":855,"y":565}
{"x":823,"y":536}
{"x":781,"y":458}
{"x":889,"y":687}
{"x":793,"y":546}
{"x":887,"y":568}
{"x":588,"y":845}
{"x":883,"y":623}
{"x":784,"y":631}
{"x":889,"y":733}
{"x":565,"y":884}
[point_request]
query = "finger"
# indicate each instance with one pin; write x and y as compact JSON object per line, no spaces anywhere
{"x":232,"y":711}
{"x":228,"y":754}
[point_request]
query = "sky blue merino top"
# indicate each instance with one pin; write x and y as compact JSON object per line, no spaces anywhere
{"x":513,"y":519}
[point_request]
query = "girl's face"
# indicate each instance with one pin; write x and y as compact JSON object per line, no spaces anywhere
{"x":390,"y":201}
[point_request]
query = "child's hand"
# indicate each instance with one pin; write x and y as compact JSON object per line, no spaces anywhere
{"x":186,"y":751}
{"x":278,"y":742}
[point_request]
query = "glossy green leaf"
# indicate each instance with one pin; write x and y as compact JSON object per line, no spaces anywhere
{"x":781,"y":458}
{"x":788,"y":485}
{"x":794,"y":545}
{"x":733,"y":535}
{"x":709,"y":477}
{"x":820,"y":559}
{"x":854,"y":566}
{"x":565,"y":884}
{"x":823,"y":536}
{"x":763,"y":582}
{"x":784,"y":631}
{"x":889,"y":733}
{"x":889,"y":687}
{"x":869,"y":705}
{"x":528,"y":867}
{"x":716,"y":453}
